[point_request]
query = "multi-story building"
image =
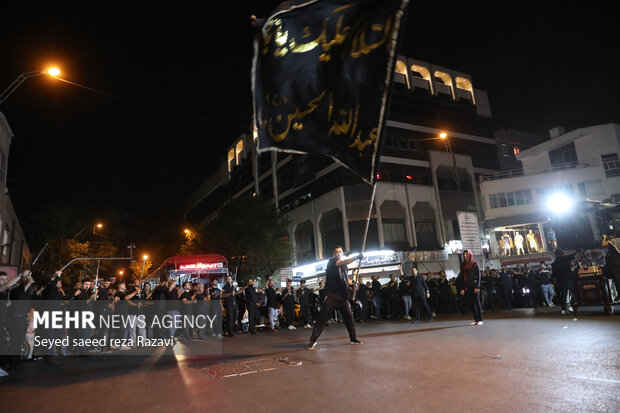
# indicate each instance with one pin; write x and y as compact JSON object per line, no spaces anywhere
{"x":510,"y":143}
{"x":14,"y":252}
{"x":422,"y":181}
{"x":566,"y":194}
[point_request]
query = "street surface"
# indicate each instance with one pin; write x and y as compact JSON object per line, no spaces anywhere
{"x":519,"y":361}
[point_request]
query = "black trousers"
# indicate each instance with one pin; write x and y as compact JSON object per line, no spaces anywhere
{"x":289,"y":313}
{"x":305,"y":314}
{"x":329,"y":306}
{"x":473,"y":300}
{"x":232,"y":312}
{"x":506,"y":293}
{"x":420,"y":303}
{"x":252,"y":315}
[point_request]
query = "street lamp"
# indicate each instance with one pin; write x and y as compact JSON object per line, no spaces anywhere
{"x":145,"y":257}
{"x":98,"y":225}
{"x":52,"y":71}
{"x":559,"y":203}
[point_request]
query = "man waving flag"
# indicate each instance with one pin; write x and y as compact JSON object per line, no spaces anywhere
{"x":322,"y":72}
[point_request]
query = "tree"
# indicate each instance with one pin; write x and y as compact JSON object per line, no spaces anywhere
{"x":140,"y":268}
{"x":251,"y":234}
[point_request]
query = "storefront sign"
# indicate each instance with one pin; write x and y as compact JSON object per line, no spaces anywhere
{"x":470,"y":231}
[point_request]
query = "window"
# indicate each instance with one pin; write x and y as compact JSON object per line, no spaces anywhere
{"x":515,"y":150}
{"x":394,"y":232}
{"x":507,"y":199}
{"x":502,"y":200}
{"x":231,"y":159}
{"x":563,"y":157}
{"x":519,"y":199}
{"x":590,"y":188}
{"x":510,"y":198}
{"x":611,"y":165}
{"x":505,"y":150}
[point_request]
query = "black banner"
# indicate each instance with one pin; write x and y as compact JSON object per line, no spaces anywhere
{"x":321,"y":76}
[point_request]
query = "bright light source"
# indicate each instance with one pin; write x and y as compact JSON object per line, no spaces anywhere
{"x":99,"y":226}
{"x":53,"y":71}
{"x":443,"y":135}
{"x":559,"y":203}
{"x":146,"y":257}
{"x":187,"y":231}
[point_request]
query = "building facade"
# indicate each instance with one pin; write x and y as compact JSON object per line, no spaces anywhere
{"x":14,"y":252}
{"x":565,"y":195}
{"x":422,"y":182}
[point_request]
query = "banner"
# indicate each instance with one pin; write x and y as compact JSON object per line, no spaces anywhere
{"x":470,"y":231}
{"x":321,"y":77}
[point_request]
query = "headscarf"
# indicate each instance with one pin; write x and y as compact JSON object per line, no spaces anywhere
{"x":469,"y":260}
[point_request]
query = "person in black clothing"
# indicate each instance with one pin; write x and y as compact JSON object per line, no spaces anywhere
{"x":471,"y":285}
{"x":251,"y":303}
{"x":376,"y":297}
{"x":272,"y":305}
{"x":420,"y":290}
{"x":230,"y":304}
{"x":336,"y":291}
{"x":563,"y":269}
{"x":288,"y":302}
{"x":532,"y":284}
{"x":200,"y":308}
{"x":303,"y":297}
{"x":17,"y":322}
{"x":187,"y":309}
{"x":446,"y":297}
{"x":506,"y":284}
{"x":362,"y":297}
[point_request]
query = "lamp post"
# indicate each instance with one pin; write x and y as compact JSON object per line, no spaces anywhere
{"x":145,"y":257}
{"x":53,"y":72}
{"x":98,"y":225}
{"x":455,"y":173}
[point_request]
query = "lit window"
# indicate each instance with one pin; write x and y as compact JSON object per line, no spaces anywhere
{"x":239,"y":151}
{"x":379,"y":176}
{"x":515,"y":150}
{"x":231,"y":159}
{"x":409,"y":177}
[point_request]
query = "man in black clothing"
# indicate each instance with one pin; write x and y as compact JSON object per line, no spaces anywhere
{"x":532,"y":284}
{"x":288,"y":302}
{"x":303,"y":296}
{"x":251,"y":303}
{"x":336,"y":297}
{"x":362,"y":297}
{"x":230,"y":304}
{"x":272,"y":305}
{"x":376,"y":297}
{"x":563,"y":269}
{"x":420,"y":290}
{"x":187,"y":308}
{"x":506,"y":283}
{"x":17,"y":321}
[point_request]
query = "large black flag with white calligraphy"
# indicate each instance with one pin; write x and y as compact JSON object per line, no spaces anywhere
{"x":322,"y":72}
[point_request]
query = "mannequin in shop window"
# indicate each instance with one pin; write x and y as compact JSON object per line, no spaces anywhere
{"x":507,"y":243}
{"x":519,"y":244}
{"x":531,"y":240}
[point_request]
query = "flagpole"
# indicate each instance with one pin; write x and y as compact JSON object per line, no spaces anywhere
{"x":372,"y":201}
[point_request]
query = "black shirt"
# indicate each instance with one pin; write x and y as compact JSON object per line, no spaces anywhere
{"x":231,"y":299}
{"x":122,"y":306}
{"x":376,"y":288}
{"x":289,"y":299}
{"x":303,"y":295}
{"x":251,"y":296}
{"x":215,"y":293}
{"x":336,"y":280}
{"x":419,"y":286}
{"x":544,"y":276}
{"x":272,"y":298}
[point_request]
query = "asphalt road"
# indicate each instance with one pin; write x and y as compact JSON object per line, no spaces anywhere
{"x":518,"y":361}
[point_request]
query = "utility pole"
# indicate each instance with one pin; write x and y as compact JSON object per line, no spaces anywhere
{"x":131,"y":247}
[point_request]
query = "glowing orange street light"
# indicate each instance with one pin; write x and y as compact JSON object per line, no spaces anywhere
{"x":443,"y":135}
{"x":53,"y":71}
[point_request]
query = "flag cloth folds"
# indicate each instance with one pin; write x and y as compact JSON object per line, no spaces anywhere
{"x":321,"y":78}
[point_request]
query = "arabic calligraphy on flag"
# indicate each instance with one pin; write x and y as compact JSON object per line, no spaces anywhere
{"x":322,"y":72}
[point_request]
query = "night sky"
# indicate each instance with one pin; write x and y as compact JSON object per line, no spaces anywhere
{"x":177,"y":93}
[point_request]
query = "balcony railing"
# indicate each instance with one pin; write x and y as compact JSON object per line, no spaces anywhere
{"x":537,"y":171}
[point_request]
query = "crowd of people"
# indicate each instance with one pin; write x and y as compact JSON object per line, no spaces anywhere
{"x":247,"y":308}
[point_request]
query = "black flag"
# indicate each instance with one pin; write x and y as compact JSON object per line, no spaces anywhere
{"x":322,"y":72}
